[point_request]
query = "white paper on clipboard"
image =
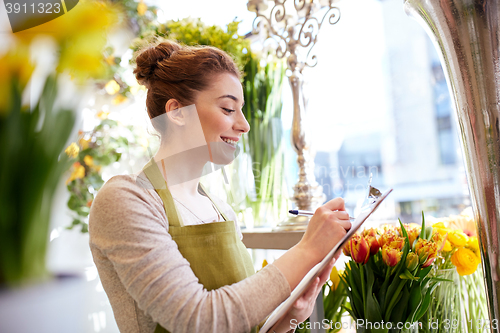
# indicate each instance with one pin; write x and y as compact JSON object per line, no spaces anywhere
{"x":283,"y":308}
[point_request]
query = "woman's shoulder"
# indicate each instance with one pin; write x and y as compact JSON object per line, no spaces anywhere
{"x":125,"y":196}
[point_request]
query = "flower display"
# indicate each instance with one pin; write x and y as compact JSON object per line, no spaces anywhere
{"x":387,"y":279}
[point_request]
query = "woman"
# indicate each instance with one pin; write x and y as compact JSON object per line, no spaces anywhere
{"x":170,"y":258}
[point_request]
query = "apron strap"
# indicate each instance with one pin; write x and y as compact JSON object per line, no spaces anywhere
{"x":160,"y":185}
{"x":218,"y":208}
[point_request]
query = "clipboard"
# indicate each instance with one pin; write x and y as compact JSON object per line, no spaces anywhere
{"x":277,"y":315}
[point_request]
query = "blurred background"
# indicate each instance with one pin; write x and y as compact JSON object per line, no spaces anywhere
{"x":378,"y":104}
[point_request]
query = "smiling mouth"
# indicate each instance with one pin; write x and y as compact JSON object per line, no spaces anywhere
{"x":229,"y":142}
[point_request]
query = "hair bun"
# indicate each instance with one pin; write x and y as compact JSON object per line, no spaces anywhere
{"x":148,"y":59}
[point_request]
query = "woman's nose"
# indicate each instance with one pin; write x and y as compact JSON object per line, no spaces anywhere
{"x":242,"y":123}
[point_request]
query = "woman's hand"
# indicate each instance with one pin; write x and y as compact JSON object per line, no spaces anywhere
{"x":303,"y":307}
{"x":326,"y":228}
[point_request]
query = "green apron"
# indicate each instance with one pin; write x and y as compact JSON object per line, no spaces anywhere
{"x":215,"y":253}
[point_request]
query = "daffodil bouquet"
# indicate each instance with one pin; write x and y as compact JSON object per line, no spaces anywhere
{"x":387,"y":279}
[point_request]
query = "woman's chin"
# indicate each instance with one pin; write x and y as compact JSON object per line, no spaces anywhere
{"x":222,"y":153}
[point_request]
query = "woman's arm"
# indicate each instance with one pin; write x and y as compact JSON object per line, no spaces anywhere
{"x":129,"y":238}
{"x":138,"y":260}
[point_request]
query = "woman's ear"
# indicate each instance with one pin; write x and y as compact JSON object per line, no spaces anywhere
{"x":174,"y":112}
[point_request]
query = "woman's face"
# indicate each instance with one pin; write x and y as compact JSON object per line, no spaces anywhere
{"x":222,"y":120}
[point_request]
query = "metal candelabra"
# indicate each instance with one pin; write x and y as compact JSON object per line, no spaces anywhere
{"x":293,"y":27}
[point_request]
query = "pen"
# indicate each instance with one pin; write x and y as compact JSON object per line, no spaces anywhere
{"x":307,"y":212}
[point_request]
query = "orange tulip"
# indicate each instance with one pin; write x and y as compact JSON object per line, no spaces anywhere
{"x":391,"y":239}
{"x":372,"y":237}
{"x":391,"y":256}
{"x":440,"y":240}
{"x":359,"y":249}
{"x":427,"y":252}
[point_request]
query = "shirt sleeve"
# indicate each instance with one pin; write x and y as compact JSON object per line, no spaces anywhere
{"x":128,"y":225}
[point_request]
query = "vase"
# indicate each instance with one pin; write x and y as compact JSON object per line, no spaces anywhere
{"x":446,"y":313}
{"x":465,"y":33}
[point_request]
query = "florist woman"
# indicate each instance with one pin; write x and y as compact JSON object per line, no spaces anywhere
{"x":170,"y":258}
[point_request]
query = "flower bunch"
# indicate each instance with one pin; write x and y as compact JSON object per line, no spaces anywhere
{"x":95,"y":149}
{"x":387,"y":279}
{"x":460,"y":249}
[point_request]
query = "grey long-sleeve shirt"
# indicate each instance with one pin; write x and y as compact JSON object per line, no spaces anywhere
{"x":147,"y":279}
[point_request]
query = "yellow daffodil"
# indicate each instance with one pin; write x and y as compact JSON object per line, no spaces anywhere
{"x":14,"y":65}
{"x":72,"y":150}
{"x":84,"y":143}
{"x":465,"y":261}
{"x":88,"y":160}
{"x":335,"y":278}
{"x":78,"y":172}
{"x":457,"y":238}
{"x":112,"y":87}
{"x":142,"y":8}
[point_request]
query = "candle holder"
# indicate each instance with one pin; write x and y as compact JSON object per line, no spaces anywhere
{"x":294,"y":25}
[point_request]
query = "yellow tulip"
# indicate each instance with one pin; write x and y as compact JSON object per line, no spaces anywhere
{"x":465,"y":261}
{"x":457,"y":238}
{"x":335,"y":278}
{"x":411,"y":261}
{"x":72,"y":150}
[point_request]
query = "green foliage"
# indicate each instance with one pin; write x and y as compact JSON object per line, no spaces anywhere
{"x":194,"y":32}
{"x":31,"y":164}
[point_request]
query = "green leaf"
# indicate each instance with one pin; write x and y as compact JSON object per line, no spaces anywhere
{"x":406,"y":275}
{"x":414,"y":301}
{"x":422,"y":229}
{"x":399,"y":313}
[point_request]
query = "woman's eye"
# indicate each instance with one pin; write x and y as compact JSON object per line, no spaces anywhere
{"x":227,"y":110}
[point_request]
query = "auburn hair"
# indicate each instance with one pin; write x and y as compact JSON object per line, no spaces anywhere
{"x":170,"y":70}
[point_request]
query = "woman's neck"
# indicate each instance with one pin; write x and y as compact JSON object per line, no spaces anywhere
{"x":182,"y":169}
